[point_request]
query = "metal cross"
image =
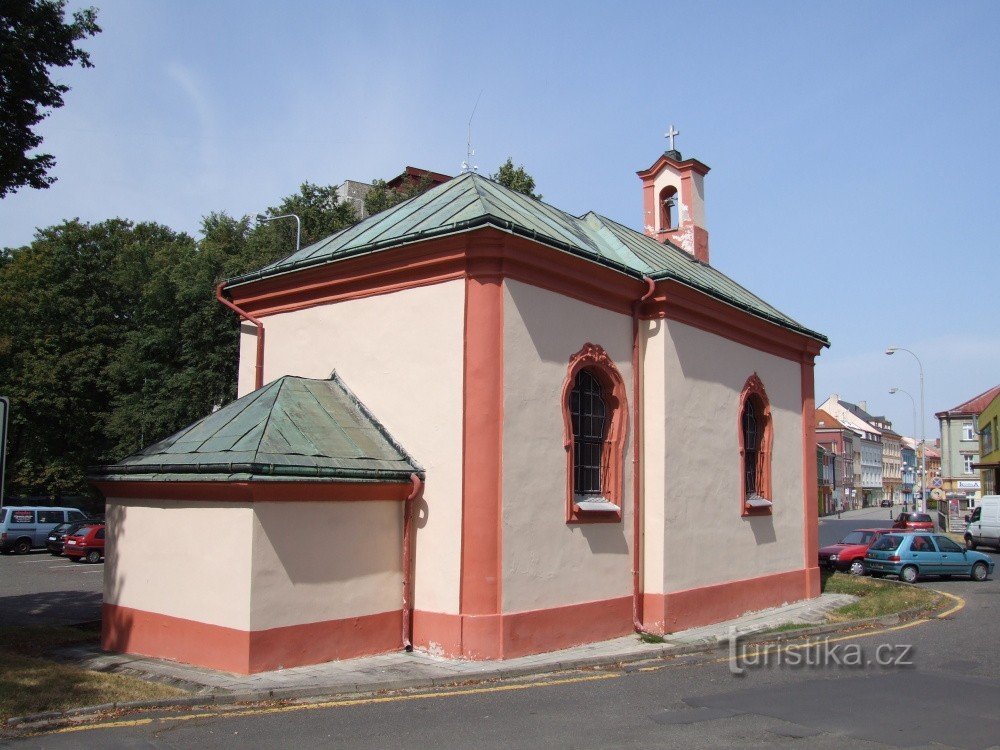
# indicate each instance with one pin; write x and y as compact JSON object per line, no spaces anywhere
{"x":670,"y":134}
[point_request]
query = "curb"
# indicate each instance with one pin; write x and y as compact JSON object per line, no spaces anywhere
{"x":707,"y":645}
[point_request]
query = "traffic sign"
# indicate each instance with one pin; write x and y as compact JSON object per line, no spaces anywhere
{"x":937,"y":482}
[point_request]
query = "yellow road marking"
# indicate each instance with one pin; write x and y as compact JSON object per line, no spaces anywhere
{"x":953,"y":610}
{"x":337,"y":703}
{"x":347,"y":702}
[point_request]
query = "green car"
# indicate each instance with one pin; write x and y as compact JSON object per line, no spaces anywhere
{"x":910,"y":555}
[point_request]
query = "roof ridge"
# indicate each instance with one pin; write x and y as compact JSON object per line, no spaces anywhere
{"x":335,"y":377}
{"x":281,"y":384}
{"x":958,"y":409}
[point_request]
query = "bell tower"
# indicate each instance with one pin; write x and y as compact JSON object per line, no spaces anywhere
{"x":673,"y":200}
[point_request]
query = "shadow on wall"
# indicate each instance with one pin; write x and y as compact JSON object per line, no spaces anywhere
{"x":599,"y":539}
{"x":115,"y":630}
{"x":318,"y":542}
{"x":763,"y":529}
{"x":556,"y":336}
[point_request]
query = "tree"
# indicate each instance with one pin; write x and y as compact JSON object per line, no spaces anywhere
{"x":515,"y":178}
{"x":34,"y":37}
{"x":381,"y":197}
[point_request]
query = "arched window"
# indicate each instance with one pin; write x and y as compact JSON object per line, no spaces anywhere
{"x":587,"y":411}
{"x":756,"y":438}
{"x":668,"y":208}
{"x":595,"y":419}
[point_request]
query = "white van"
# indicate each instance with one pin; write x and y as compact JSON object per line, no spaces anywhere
{"x":984,"y":523}
{"x":24,"y":527}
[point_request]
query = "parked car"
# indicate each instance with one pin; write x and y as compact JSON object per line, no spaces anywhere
{"x":984,"y":523}
{"x":57,"y":537}
{"x":910,"y":555}
{"x":886,"y":503}
{"x":24,"y":527}
{"x":86,"y":544}
{"x":914,"y":521}
{"x":849,"y":552}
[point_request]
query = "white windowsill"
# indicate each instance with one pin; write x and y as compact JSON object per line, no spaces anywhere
{"x":756,"y":501}
{"x":600,"y":506}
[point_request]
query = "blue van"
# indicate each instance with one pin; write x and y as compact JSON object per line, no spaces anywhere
{"x":28,"y":526}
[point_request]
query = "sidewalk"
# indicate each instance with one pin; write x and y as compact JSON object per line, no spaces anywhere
{"x":401,"y":670}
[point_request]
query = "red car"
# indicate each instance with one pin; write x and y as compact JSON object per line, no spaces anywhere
{"x":914,"y":522}
{"x":86,"y":543}
{"x":849,"y":552}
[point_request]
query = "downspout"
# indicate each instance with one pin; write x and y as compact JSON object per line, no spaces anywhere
{"x":415,"y":494}
{"x":259,"y":365}
{"x":636,"y":458}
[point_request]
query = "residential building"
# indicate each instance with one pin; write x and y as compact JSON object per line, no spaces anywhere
{"x":870,"y":449}
{"x":960,"y":446}
{"x":537,"y":426}
{"x":988,"y":425}
{"x":842,"y":443}
{"x":354,"y":192}
{"x":826,"y":467}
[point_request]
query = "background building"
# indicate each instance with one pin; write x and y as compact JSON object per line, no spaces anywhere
{"x":989,"y":447}
{"x":960,"y":446}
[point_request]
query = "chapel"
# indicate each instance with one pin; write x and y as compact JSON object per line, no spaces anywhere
{"x":478,"y":426}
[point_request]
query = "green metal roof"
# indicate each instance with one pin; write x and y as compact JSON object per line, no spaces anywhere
{"x":471,"y":201}
{"x":291,"y":428}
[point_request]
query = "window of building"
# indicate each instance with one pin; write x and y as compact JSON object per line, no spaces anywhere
{"x":987,"y":435}
{"x":968,"y":459}
{"x":756,"y":438}
{"x":967,"y":431}
{"x":587,"y":411}
{"x":595,"y":420}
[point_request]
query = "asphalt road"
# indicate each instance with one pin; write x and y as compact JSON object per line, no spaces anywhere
{"x":40,"y":589}
{"x":947,"y":697}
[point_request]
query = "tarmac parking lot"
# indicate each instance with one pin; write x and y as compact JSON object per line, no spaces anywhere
{"x":41,"y":589}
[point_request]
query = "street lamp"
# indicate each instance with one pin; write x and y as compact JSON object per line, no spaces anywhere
{"x":914,"y":405}
{"x":298,"y":226}
{"x":923,"y":433}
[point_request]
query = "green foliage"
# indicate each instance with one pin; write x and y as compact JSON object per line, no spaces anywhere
{"x":34,"y":37}
{"x":111,"y":337}
{"x":381,"y":196}
{"x":516,"y":178}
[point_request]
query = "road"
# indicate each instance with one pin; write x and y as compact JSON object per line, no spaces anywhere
{"x":40,"y":589}
{"x":946,"y":698}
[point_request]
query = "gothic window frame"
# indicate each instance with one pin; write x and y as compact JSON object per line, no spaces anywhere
{"x":757,"y":500}
{"x":606,"y":508}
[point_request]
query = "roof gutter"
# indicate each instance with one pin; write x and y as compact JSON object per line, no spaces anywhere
{"x":416,"y":493}
{"x":259,"y":362}
{"x":259,"y":469}
{"x":637,"y":459}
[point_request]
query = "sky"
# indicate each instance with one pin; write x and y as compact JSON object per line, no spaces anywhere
{"x":853,"y":146}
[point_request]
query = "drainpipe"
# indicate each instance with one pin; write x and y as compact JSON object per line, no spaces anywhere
{"x":259,"y":365}
{"x":418,"y":489}
{"x":636,"y":460}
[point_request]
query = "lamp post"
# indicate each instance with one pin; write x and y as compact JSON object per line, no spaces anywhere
{"x":298,"y":226}
{"x":923,"y":433}
{"x":914,"y":405}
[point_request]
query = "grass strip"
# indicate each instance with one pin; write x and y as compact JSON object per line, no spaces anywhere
{"x":30,"y":683}
{"x":875,"y":598}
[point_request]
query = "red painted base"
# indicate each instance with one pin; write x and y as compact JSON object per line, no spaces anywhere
{"x":691,"y":608}
{"x":521,"y":633}
{"x":136,"y":631}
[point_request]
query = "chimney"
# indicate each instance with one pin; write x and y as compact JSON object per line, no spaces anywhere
{"x":863,"y":405}
{"x":673,"y":202}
